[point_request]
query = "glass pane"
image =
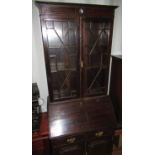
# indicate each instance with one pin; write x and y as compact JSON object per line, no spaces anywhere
{"x":95,"y":81}
{"x":63,"y":57}
{"x":96,"y":55}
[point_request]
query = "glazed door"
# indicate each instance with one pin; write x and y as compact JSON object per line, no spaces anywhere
{"x":96,"y":49}
{"x":61,"y":43}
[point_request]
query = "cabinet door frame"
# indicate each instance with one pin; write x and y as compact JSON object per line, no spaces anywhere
{"x":83,"y":19}
{"x":43,"y":20}
{"x":78,"y":12}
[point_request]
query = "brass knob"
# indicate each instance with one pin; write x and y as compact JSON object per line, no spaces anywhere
{"x":99,"y":134}
{"x":71,"y":140}
{"x":81,"y":64}
{"x":81,"y":11}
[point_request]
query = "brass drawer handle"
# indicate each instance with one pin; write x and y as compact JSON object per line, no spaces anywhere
{"x":99,"y":134}
{"x":71,"y":140}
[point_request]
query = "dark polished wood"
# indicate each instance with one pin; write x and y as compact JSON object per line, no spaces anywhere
{"x":76,"y":149}
{"x":40,"y":140}
{"x":77,"y":117}
{"x":43,"y":128}
{"x":116,"y":87}
{"x":100,"y":147}
{"x":118,"y":132}
{"x":77,"y":45}
{"x":87,"y":122}
{"x":117,"y":152}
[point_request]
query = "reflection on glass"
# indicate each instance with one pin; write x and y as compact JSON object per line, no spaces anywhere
{"x":62,"y":43}
{"x":96,"y":52}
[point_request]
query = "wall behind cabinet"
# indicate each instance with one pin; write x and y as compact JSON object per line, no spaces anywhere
{"x":38,"y":63}
{"x":117,"y":31}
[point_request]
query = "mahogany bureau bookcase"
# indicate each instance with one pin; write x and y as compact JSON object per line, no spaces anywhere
{"x":77,"y":42}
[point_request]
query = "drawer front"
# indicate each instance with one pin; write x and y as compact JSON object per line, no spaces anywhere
{"x":100,"y":142}
{"x":99,"y":134}
{"x":72,"y":149}
{"x":100,"y":147}
{"x":67,"y":140}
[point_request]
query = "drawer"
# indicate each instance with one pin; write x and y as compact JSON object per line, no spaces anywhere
{"x":99,"y":134}
{"x":67,"y":140}
{"x":100,"y":146}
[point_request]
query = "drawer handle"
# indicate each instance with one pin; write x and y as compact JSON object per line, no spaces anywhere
{"x":71,"y":140}
{"x":99,"y":134}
